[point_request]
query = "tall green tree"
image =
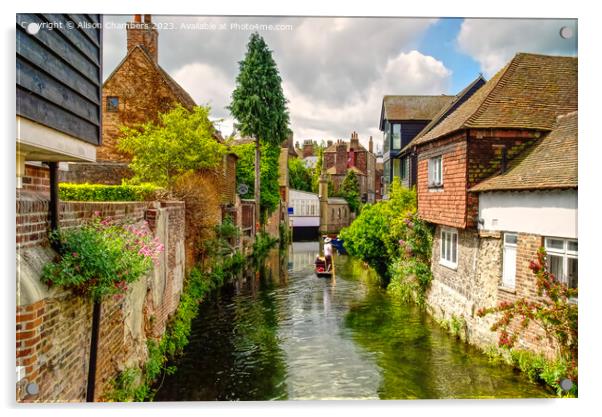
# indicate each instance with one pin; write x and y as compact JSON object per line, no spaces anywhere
{"x":258,"y":102}
{"x":181,"y":142}
{"x":300,"y":177}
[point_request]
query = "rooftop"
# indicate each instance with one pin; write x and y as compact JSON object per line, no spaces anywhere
{"x":412,"y":107}
{"x":549,"y":164}
{"x":528,"y":93}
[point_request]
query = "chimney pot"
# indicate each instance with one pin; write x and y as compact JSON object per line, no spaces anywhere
{"x":138,"y":18}
{"x":147,"y":18}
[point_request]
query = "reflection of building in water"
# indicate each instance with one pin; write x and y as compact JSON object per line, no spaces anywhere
{"x":303,"y":254}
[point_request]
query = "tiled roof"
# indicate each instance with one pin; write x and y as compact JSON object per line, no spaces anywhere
{"x":528,"y":93}
{"x":458,"y":100}
{"x":551,"y":163}
{"x":181,"y":94}
{"x":412,"y":107}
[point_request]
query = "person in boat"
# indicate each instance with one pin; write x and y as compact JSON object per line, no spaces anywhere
{"x":328,"y":253}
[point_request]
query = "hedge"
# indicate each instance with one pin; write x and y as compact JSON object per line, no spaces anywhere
{"x":100,"y":192}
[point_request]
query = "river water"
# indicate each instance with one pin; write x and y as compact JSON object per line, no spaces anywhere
{"x":287,"y":334}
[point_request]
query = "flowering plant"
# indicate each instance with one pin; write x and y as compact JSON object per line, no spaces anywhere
{"x":555,"y":311}
{"x":102,"y":257}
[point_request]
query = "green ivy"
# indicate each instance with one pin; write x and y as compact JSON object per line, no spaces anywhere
{"x":100,"y":192}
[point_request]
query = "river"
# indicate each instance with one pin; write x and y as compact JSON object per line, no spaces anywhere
{"x":287,"y":334}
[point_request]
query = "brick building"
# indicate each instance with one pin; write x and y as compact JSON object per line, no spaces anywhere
{"x":341,"y":157}
{"x":499,"y":124}
{"x":138,"y":89}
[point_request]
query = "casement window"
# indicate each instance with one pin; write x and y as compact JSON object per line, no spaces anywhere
{"x":449,"y":248}
{"x":435,"y":172}
{"x":404,"y":168}
{"x":112,"y":104}
{"x":509,"y":260}
{"x":397,"y":168}
{"x":562,"y":259}
{"x":387,"y":137}
{"x":396,"y":134}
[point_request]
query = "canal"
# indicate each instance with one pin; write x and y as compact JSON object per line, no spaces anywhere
{"x":287,"y":334}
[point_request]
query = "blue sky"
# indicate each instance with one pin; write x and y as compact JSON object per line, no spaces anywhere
{"x":440,"y":41}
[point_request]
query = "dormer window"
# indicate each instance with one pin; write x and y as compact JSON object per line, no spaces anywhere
{"x":112,"y":104}
{"x":435,"y":172}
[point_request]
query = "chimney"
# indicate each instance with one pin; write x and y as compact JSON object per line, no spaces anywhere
{"x":370,"y":145}
{"x":328,"y":143}
{"x":308,"y":148}
{"x":355,"y":141}
{"x":144,"y":34}
{"x":341,"y":157}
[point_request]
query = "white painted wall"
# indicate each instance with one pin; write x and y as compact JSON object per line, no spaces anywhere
{"x":546,"y":213}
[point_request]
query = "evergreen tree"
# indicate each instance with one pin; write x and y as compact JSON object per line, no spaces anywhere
{"x":258,"y":103}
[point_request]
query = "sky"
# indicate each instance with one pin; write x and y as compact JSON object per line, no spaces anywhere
{"x":335,"y":71}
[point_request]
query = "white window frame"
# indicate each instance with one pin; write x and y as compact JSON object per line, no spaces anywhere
{"x":435,"y":171}
{"x":448,"y":247}
{"x":509,"y":268}
{"x":565,"y":253}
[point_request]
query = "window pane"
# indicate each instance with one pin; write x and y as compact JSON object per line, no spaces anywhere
{"x":509,"y":267}
{"x":510,"y":238}
{"x":555,"y":244}
{"x":556,"y":267}
{"x":572,"y":272}
{"x":443,"y":244}
{"x":397,"y":168}
{"x":448,"y":247}
{"x":396,"y":136}
{"x":572,"y":246}
{"x":454,"y":248}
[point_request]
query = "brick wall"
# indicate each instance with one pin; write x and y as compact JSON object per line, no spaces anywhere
{"x":446,"y":205}
{"x":108,"y":173}
{"x":36,"y":178}
{"x":142,"y":94}
{"x":468,"y":158}
{"x":53,"y":327}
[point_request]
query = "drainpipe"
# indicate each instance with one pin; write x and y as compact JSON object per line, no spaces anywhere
{"x":54,"y":201}
{"x":93,"y":351}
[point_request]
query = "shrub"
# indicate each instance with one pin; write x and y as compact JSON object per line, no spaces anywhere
{"x":555,"y":312}
{"x":101,"y":258}
{"x":101,"y":192}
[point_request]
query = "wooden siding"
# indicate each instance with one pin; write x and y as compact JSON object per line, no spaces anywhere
{"x":59,"y":73}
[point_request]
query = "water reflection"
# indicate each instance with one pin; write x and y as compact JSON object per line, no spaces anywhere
{"x":287,"y":334}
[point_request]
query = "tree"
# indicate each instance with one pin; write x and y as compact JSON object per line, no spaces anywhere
{"x":245,"y":173}
{"x":350,"y":191}
{"x":258,"y":103}
{"x":182,"y":142}
{"x":300,"y":177}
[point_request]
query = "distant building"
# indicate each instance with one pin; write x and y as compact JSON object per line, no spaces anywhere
{"x":341,"y":157}
{"x":304,"y":214}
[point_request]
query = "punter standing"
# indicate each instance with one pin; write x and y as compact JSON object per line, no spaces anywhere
{"x":328,"y":253}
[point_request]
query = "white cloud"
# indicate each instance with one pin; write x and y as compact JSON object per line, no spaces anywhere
{"x":493,"y":42}
{"x":207,"y":85}
{"x":406,"y":73}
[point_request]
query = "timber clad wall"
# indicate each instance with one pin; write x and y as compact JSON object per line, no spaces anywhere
{"x":53,"y":327}
{"x":60,"y":71}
